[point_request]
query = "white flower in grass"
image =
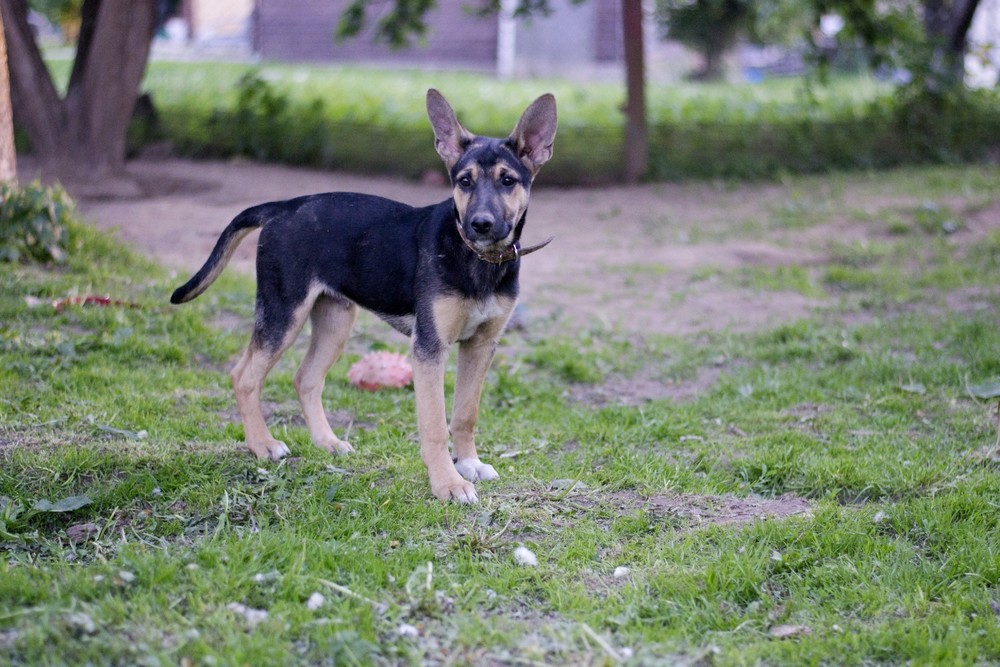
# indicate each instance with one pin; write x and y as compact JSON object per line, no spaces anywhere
{"x":315,"y":601}
{"x":524,"y":556}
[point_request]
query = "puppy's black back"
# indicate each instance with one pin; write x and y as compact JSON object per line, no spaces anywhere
{"x":361,"y":246}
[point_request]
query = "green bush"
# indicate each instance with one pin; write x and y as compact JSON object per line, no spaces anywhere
{"x":34,"y":223}
{"x":724,"y":133}
{"x":890,"y":132}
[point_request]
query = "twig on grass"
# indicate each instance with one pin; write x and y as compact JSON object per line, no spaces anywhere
{"x":997,"y":445}
{"x":27,"y":611}
{"x":600,"y":641}
{"x":379,"y":607}
{"x":986,"y":391}
{"x":575,"y":483}
{"x":507,"y":658}
{"x":503,"y":530}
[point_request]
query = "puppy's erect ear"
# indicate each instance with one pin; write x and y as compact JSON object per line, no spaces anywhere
{"x":535,"y":132}
{"x":450,"y":138}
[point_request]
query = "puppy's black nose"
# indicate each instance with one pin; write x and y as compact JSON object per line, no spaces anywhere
{"x":482,"y":224}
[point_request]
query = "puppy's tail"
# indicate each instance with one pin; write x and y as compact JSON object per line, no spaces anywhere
{"x":243,"y":224}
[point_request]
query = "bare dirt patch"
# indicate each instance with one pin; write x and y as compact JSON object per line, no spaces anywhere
{"x":700,"y":510}
{"x":674,"y":512}
{"x":688,"y":511}
{"x":636,"y":390}
{"x":681,"y":511}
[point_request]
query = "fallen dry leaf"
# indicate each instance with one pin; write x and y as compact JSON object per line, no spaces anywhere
{"x":81,"y":532}
{"x":790,"y":631}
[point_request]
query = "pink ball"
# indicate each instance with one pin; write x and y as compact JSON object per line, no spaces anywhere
{"x":379,"y":370}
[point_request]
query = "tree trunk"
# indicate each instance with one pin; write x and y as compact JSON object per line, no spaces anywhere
{"x":636,"y":132}
{"x":83,"y":134}
{"x":946,"y":25}
{"x":8,"y":156}
{"x":713,"y":66}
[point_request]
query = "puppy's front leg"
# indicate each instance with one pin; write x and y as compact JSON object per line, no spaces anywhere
{"x":428,"y":383}
{"x":474,"y":358}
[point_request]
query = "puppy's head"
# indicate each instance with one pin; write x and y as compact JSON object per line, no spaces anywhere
{"x":491,"y":178}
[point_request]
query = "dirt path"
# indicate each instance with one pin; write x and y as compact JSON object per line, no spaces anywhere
{"x":627,"y":257}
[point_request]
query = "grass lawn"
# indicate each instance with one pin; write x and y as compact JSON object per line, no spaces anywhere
{"x":832,"y":497}
{"x":373,"y":121}
{"x":395,"y":97}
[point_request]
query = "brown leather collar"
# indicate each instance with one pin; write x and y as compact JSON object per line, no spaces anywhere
{"x":508,"y":254}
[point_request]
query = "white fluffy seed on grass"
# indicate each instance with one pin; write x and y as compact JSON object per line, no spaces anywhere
{"x":315,"y":601}
{"x":407,"y":630}
{"x":525,"y":556}
{"x":81,"y":623}
{"x":253,"y":617}
{"x":621,"y":571}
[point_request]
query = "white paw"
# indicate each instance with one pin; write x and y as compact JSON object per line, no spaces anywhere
{"x":475,"y":470}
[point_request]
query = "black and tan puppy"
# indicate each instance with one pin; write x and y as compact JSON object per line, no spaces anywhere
{"x":441,"y":274}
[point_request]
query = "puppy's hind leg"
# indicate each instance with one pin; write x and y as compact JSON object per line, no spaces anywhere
{"x":248,"y":379}
{"x":332,"y":319}
{"x":257,"y":361}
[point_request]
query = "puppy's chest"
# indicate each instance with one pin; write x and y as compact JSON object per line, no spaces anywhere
{"x":479,"y":313}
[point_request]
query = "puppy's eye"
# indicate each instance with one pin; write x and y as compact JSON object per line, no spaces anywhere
{"x":508,"y":181}
{"x":465,"y":182}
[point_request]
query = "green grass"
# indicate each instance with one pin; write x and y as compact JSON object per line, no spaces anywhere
{"x":862,"y":410}
{"x":394,"y":97}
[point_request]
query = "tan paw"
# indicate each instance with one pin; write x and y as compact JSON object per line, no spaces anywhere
{"x":335,"y":445}
{"x":272,"y":449}
{"x":458,"y":490}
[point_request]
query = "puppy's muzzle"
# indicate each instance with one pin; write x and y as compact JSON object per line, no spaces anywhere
{"x":485,"y":229}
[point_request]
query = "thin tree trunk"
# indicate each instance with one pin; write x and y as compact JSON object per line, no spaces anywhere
{"x":636,"y":132}
{"x":35,"y":100}
{"x":101,"y":98}
{"x":946,"y":26}
{"x":713,"y":63}
{"x":958,"y":27}
{"x":8,"y":156}
{"x":948,"y":23}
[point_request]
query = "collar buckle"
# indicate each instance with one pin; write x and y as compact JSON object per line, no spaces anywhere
{"x":511,"y":253}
